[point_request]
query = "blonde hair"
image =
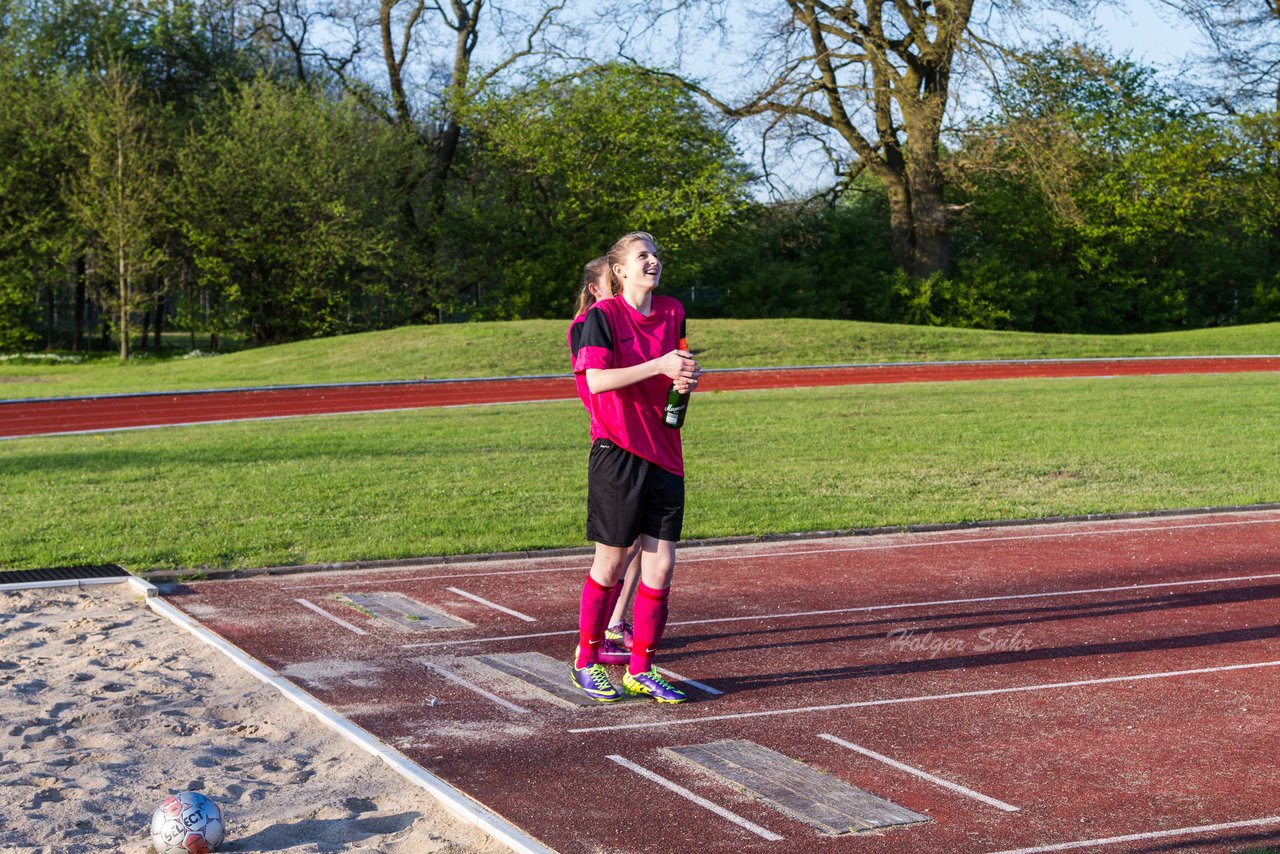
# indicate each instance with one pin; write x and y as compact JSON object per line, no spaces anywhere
{"x":617,"y":251}
{"x":591,"y":274}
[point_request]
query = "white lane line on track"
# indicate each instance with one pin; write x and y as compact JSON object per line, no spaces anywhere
{"x":893,"y":701}
{"x":894,"y":606}
{"x":494,"y":605}
{"x":701,"y":686}
{"x":1013,"y":538}
{"x":417,"y":576}
{"x":1155,"y":834}
{"x":322,"y":612}
{"x":925,"y":775}
{"x":697,"y":799}
{"x":391,"y":579}
{"x":471,"y":686}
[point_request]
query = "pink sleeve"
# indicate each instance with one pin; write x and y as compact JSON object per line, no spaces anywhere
{"x":591,"y":358}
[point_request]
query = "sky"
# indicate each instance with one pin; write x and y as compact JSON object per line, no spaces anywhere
{"x":1153,"y":34}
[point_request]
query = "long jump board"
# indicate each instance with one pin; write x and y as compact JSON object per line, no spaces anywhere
{"x":402,"y":612}
{"x":819,"y":800}
{"x":549,"y":675}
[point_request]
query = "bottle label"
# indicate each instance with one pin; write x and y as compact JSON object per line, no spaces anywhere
{"x":671,"y":414}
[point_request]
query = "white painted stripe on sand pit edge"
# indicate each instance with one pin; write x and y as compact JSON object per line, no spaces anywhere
{"x":471,"y":686}
{"x":697,"y":799}
{"x":668,"y":722}
{"x":494,"y":605}
{"x":925,"y":775}
{"x":1155,"y":834}
{"x":453,"y":800}
{"x":322,"y":612}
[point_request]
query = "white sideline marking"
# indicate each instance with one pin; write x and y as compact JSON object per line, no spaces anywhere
{"x":893,"y":701}
{"x":454,"y":800}
{"x":471,"y":686}
{"x":782,"y":554}
{"x":1014,"y":538}
{"x":701,"y":686}
{"x":494,"y":605}
{"x":1156,"y":834}
{"x":955,"y":787}
{"x":894,"y":606}
{"x":697,"y":799}
{"x":1084,"y":591}
{"x":322,"y":612}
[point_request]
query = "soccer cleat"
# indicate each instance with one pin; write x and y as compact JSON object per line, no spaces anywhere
{"x":654,"y":685}
{"x":596,"y":683}
{"x":611,"y":652}
{"x":619,"y":634}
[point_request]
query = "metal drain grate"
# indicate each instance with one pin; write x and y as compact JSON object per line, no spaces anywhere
{"x":62,"y":573}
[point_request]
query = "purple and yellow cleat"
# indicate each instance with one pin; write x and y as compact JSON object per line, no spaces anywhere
{"x":620,"y":635}
{"x":654,"y":685}
{"x":595,"y":682}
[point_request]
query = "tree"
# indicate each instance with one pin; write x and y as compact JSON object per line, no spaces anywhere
{"x":414,"y":62}
{"x":289,"y":212}
{"x":1244,"y":60}
{"x":38,"y":147}
{"x":1244,"y":42}
{"x":875,"y":79}
{"x":565,"y":164}
{"x":118,"y":195}
{"x":1123,"y":201}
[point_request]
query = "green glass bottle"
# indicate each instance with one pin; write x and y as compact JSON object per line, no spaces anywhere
{"x":677,"y":402}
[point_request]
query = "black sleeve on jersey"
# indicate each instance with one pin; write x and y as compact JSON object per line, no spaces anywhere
{"x":575,"y":338}
{"x":596,"y":331}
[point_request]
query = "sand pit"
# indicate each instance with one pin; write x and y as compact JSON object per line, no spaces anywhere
{"x":106,"y":707}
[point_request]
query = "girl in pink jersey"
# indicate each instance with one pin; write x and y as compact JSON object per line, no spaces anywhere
{"x":616,"y":647}
{"x":629,"y":356}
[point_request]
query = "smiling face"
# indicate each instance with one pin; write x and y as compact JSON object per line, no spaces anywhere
{"x":639,"y":266}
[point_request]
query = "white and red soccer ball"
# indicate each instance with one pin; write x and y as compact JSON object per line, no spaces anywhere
{"x":188,"y":823}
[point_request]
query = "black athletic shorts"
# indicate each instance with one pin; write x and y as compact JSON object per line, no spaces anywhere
{"x":628,"y":496}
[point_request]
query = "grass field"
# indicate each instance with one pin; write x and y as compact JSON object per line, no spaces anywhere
{"x":538,"y":347}
{"x":481,"y":479}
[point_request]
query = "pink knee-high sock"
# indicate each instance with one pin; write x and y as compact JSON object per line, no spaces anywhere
{"x":650,"y":618}
{"x":593,"y":613}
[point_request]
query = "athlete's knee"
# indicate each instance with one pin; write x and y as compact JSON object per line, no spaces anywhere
{"x":610,"y":563}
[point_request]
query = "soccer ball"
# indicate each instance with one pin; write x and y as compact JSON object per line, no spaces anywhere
{"x":188,"y":823}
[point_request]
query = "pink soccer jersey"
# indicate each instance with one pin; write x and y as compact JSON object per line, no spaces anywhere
{"x":615,"y":335}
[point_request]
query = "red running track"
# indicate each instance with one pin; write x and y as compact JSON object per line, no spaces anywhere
{"x":1105,"y":686}
{"x":122,"y":412}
